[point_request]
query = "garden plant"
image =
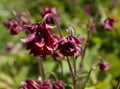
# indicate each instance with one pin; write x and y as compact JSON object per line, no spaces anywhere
{"x":56,"y":54}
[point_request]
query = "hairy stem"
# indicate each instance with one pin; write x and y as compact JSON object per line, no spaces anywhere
{"x":40,"y":65}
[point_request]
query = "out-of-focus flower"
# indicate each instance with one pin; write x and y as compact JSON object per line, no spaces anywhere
{"x":30,"y":84}
{"x":103,"y":65}
{"x":22,"y":21}
{"x":108,"y":23}
{"x":8,"y":48}
{"x":40,"y":42}
{"x":48,"y":11}
{"x":47,"y":83}
{"x":88,"y":8}
{"x":69,"y":45}
{"x":114,"y":3}
{"x":15,"y":25}
{"x":58,"y":85}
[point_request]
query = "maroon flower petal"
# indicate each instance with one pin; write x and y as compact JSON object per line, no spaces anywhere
{"x":29,"y":38}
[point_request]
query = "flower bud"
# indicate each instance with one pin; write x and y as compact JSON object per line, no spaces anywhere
{"x":103,"y":65}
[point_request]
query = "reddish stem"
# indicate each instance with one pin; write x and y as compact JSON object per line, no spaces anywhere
{"x":40,"y":65}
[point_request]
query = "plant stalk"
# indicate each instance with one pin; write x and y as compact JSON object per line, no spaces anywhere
{"x":55,"y":21}
{"x":72,"y":73}
{"x":41,"y":69}
{"x":118,"y":84}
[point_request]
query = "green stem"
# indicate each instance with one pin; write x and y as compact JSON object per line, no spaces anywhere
{"x":87,"y":78}
{"x":118,"y":84}
{"x":83,"y":55}
{"x":61,"y":65}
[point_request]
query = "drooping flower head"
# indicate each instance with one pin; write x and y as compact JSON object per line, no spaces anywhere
{"x":103,"y":65}
{"x":69,"y":45}
{"x":53,"y":11}
{"x":40,"y":42}
{"x":108,"y":23}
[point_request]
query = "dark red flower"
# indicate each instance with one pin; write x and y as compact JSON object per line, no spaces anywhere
{"x":47,"y":84}
{"x":58,"y":85}
{"x":30,"y":84}
{"x":69,"y":45}
{"x":47,"y":11}
{"x":103,"y":65}
{"x":40,"y":42}
{"x":108,"y":23}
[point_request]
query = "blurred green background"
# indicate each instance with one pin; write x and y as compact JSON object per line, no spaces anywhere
{"x":17,"y":65}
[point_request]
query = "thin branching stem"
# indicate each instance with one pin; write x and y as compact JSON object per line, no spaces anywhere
{"x":87,"y":77}
{"x":55,"y":21}
{"x":61,"y":66}
{"x":74,"y":65}
{"x":72,"y":73}
{"x":53,"y":74}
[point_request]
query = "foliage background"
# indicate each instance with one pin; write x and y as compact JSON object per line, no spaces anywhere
{"x":17,"y":65}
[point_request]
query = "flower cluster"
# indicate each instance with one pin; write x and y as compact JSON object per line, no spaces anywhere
{"x":47,"y":84}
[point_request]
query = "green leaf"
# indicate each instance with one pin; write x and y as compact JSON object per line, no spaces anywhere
{"x":21,"y":75}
